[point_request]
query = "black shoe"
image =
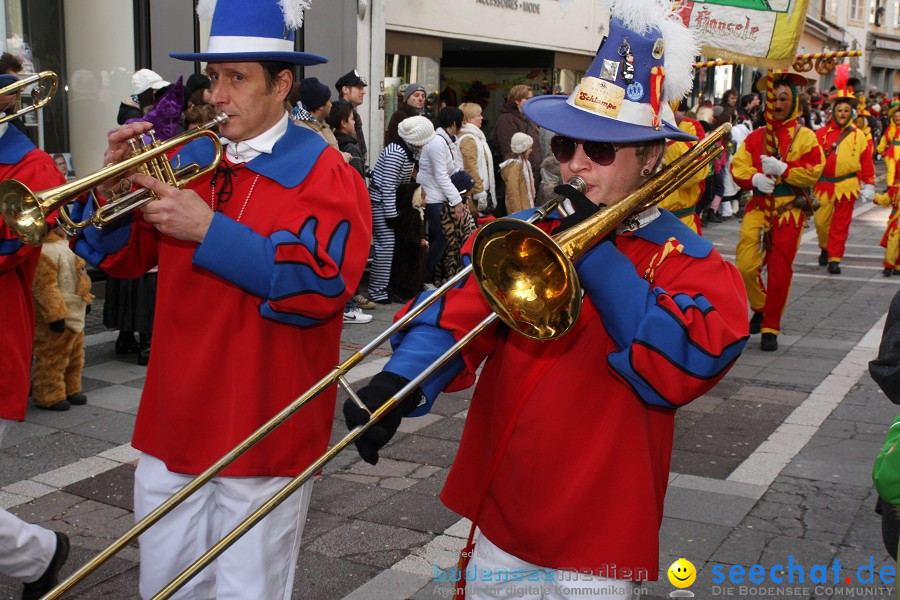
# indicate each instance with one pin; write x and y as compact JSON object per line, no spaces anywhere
{"x":126,"y":344}
{"x":769,"y":342}
{"x":143,"y":358}
{"x":77,"y":399}
{"x":61,"y":406}
{"x":714,"y":217}
{"x":887,"y":272}
{"x":834,"y":268}
{"x":756,"y":322}
{"x":823,"y":258}
{"x":38,"y":589}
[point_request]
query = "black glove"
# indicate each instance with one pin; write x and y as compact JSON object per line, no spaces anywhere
{"x":87,"y":309}
{"x":584,"y":208}
{"x":380,"y":388}
{"x":58,"y":326}
{"x":391,"y":222}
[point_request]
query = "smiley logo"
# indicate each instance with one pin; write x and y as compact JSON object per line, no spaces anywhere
{"x":682,"y":573}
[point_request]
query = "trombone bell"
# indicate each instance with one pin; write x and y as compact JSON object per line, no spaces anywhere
{"x":22,"y":212}
{"x":41,"y":94}
{"x":526,"y":279}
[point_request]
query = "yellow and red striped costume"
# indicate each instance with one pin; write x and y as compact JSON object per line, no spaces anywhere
{"x":683,"y":202}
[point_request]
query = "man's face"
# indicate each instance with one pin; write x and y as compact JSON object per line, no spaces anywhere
{"x":239,"y":90}
{"x":61,"y":164}
{"x":896,"y":117}
{"x":417,"y":100}
{"x":842,"y":113}
{"x":784,"y":102}
{"x":732,"y":99}
{"x":608,"y":184}
{"x":354,"y":94}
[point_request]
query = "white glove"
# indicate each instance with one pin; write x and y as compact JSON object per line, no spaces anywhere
{"x":772,"y":166}
{"x":867,"y":193}
{"x":763,"y":183}
{"x":481,"y":201}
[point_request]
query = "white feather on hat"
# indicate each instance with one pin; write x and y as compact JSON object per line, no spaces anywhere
{"x":292,"y":10}
{"x":682,"y":45}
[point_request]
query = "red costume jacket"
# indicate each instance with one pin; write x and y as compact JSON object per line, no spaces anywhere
{"x":19,"y":160}
{"x":582,"y":480}
{"x":250,"y":318}
{"x":847,"y":166}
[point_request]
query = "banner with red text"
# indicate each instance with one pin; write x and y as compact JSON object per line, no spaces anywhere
{"x":760,"y":33}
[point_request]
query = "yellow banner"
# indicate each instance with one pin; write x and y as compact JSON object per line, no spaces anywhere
{"x":759,"y":33}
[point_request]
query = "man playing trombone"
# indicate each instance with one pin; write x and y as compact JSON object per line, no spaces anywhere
{"x":27,"y":552}
{"x":564,"y":460}
{"x":256,"y":262}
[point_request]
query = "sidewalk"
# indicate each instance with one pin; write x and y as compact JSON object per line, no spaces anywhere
{"x":773,"y":462}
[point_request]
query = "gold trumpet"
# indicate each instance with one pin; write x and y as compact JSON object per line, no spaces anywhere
{"x":535,"y":282}
{"x":25,"y":212}
{"x":41,"y":94}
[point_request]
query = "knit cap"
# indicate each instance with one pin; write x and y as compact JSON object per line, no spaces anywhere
{"x":520,"y":142}
{"x":412,"y":89}
{"x":416,"y":131}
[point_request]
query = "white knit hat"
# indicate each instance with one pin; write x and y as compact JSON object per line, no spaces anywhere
{"x":416,"y":131}
{"x":520,"y":142}
{"x":145,"y":79}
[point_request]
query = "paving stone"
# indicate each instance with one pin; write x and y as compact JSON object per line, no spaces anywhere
{"x":386,"y":467}
{"x":833,"y":459}
{"x":22,"y":431}
{"x":425,"y":450}
{"x":115,"y":428}
{"x":706,"y":507}
{"x":121,"y":398}
{"x":414,"y":424}
{"x":38,"y":455}
{"x":320,"y":577}
{"x":432,"y":485}
{"x":362,"y":541}
{"x":114,"y":487}
{"x":115,"y":371}
{"x":388,"y":584}
{"x":703,"y":464}
{"x":412,"y":511}
{"x":446,"y":429}
{"x":78,"y":415}
{"x":696,"y":541}
{"x":346,"y":498}
{"x":319,"y":523}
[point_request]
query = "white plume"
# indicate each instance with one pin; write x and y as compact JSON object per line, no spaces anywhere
{"x":291,"y":9}
{"x":682,"y":45}
{"x":293,"y":12}
{"x":205,"y":9}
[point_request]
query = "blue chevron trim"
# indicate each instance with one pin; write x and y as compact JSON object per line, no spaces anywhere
{"x":292,"y":278}
{"x":267,"y":312}
{"x":10,"y":246}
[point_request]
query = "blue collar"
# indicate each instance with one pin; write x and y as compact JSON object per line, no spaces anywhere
{"x":291,"y":160}
{"x":14,"y":145}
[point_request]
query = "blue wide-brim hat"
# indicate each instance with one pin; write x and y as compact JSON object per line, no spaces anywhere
{"x":255,"y":31}
{"x":605,"y":107}
{"x":6,"y":79}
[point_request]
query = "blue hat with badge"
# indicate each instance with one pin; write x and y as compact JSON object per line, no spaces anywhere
{"x":644,"y":62}
{"x":257,"y":31}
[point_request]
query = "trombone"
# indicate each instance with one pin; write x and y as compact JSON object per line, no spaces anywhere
{"x":41,"y":94}
{"x":523,"y":257}
{"x":25,"y":212}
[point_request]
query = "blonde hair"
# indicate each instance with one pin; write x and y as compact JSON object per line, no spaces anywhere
{"x":518,"y":92}
{"x":470,"y":110}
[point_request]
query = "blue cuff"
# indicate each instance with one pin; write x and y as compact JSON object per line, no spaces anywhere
{"x":95,"y":244}
{"x":237,"y":254}
{"x":615,"y":289}
{"x":421,"y":348}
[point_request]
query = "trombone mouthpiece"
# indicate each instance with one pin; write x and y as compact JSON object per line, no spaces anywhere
{"x":578,"y":183}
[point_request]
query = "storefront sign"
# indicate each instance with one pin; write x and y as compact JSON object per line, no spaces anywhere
{"x":530,"y":7}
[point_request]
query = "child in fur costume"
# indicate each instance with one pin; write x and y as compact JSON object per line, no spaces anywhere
{"x":62,"y":293}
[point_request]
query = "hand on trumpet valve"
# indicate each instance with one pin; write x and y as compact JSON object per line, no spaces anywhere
{"x":180,"y":214}
{"x":381,"y":388}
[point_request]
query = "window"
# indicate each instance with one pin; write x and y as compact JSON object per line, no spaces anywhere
{"x":831,"y":9}
{"x":856,"y":10}
{"x":896,"y":13}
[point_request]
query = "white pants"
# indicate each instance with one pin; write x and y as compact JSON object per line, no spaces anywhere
{"x":501,"y":576}
{"x":25,"y":549}
{"x":261,"y":564}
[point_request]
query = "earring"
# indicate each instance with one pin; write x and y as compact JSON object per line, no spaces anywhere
{"x":645,"y":172}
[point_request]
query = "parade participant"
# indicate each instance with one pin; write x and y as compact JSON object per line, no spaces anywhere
{"x":849,"y":173}
{"x":889,"y":146}
{"x":663,"y":319}
{"x":683,"y":202}
{"x":890,"y":241}
{"x":772,"y":213}
{"x":256,"y":262}
{"x":27,"y":552}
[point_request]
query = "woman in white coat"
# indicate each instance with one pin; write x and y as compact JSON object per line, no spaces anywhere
{"x":477,"y":159}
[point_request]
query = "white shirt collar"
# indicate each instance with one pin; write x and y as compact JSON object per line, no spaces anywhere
{"x":3,"y":128}
{"x":247,"y":150}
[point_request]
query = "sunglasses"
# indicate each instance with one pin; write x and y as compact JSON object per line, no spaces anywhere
{"x":601,"y":153}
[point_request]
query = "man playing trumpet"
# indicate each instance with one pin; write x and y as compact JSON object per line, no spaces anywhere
{"x":256,"y":262}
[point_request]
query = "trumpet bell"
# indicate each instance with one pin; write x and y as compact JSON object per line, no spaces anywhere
{"x":526,"y":279}
{"x":22,"y":212}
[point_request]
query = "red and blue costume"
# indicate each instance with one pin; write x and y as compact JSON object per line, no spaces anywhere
{"x":582,"y":425}
{"x":34,"y":168}
{"x":253,"y":312}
